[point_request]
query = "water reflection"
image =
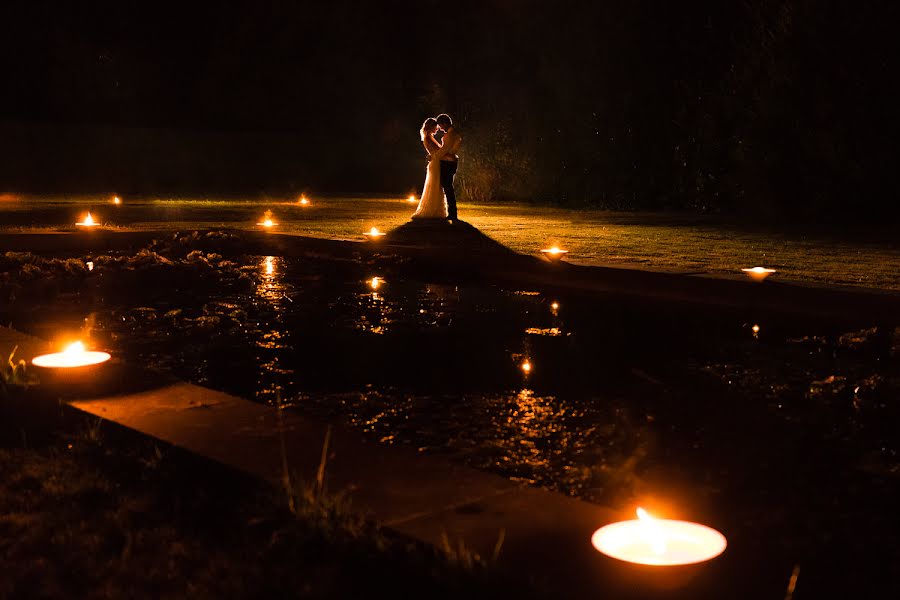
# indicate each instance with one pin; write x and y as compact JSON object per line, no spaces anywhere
{"x":268,"y":331}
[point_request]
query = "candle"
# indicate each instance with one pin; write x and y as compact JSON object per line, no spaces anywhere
{"x":659,"y":542}
{"x":758,"y":273}
{"x":267,"y":221}
{"x":526,"y":366}
{"x":73,"y":356}
{"x":554,"y":254}
{"x":373,"y":234}
{"x":304,"y":201}
{"x":411,"y":198}
{"x":88,"y":221}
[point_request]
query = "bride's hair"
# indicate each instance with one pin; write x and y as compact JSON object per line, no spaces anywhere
{"x":428,"y":126}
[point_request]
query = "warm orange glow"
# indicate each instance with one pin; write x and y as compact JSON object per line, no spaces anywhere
{"x":411,"y":198}
{"x":270,"y":265}
{"x":74,"y":355}
{"x":758,"y":273}
{"x":555,"y":306}
{"x":526,"y":366}
{"x":267,"y":222}
{"x":304,"y":201}
{"x":90,"y":265}
{"x":755,"y":329}
{"x":659,"y":542}
{"x":373,"y":234}
{"x":116,"y":200}
{"x":554,"y":253}
{"x":376,"y":282}
{"x":88,"y":221}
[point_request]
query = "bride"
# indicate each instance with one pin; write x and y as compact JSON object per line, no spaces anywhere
{"x":433,"y":204}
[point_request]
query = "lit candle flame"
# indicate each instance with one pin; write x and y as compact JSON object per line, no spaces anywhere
{"x":374,"y":231}
{"x":555,"y":306}
{"x":376,"y":282}
{"x":758,"y":273}
{"x":554,"y":253}
{"x":74,"y":348}
{"x":411,"y":199}
{"x":90,"y":265}
{"x":755,"y":329}
{"x":73,"y":355}
{"x":304,"y":201}
{"x":116,"y":200}
{"x":88,"y":221}
{"x":526,"y":366}
{"x":267,"y":220}
{"x":652,"y":532}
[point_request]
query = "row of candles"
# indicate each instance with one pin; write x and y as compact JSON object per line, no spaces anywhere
{"x":553,"y":254}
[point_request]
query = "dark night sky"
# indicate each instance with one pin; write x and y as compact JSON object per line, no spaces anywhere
{"x":629,"y":104}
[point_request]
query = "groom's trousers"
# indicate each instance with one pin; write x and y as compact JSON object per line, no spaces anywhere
{"x":448,"y":172}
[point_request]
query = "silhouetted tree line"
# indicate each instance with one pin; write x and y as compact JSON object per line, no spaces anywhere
{"x":784,"y":107}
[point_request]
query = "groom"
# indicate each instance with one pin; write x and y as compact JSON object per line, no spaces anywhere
{"x":450,"y":161}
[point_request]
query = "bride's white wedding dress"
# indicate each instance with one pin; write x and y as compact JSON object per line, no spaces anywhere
{"x":433,"y":204}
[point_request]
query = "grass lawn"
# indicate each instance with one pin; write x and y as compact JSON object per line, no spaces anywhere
{"x":679,"y":242}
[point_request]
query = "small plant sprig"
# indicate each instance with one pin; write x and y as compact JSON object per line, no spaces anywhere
{"x":15,"y":374}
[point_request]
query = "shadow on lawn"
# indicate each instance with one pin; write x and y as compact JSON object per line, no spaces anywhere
{"x":440,"y":234}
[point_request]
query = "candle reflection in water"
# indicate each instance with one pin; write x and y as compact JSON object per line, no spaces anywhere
{"x":272,"y":335}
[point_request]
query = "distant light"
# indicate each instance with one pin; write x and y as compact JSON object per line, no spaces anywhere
{"x":758,"y":273}
{"x":304,"y":201}
{"x":88,"y":221}
{"x":267,"y":221}
{"x":270,"y":265}
{"x":412,"y":198}
{"x":526,"y":366}
{"x":555,"y":306}
{"x":373,"y":234}
{"x":116,"y":200}
{"x":554,"y":254}
{"x":375,"y":282}
{"x":755,"y":329}
{"x":90,"y":265}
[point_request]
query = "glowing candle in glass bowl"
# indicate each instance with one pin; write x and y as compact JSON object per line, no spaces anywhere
{"x":659,"y":542}
{"x":268,"y":222}
{"x":758,"y":273}
{"x":87,"y":222}
{"x":554,"y":254}
{"x":373,"y":235}
{"x":75,"y":355}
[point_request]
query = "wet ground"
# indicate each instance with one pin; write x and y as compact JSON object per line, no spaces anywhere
{"x":681,"y":242}
{"x":784,"y":432}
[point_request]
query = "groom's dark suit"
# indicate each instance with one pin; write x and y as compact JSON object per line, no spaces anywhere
{"x":449,"y":165}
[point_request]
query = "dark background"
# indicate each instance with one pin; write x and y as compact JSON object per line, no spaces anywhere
{"x":786,"y":107}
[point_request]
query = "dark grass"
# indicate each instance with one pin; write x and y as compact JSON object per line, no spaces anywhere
{"x":89,"y":510}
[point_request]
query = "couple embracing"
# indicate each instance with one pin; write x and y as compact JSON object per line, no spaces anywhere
{"x":438,"y":198}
